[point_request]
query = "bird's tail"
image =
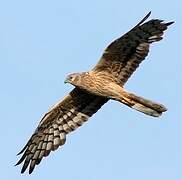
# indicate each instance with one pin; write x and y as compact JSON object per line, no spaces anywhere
{"x":143,"y":105}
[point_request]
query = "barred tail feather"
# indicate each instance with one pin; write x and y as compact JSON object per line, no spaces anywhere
{"x":143,"y":105}
{"x":146,"y":110}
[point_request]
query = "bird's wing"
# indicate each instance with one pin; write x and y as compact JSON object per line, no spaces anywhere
{"x":123,"y":56}
{"x":64,"y":117}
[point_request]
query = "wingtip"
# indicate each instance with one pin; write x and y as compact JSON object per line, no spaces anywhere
{"x":24,"y":167}
{"x":16,"y":164}
{"x":22,"y":170}
{"x":146,"y":17}
{"x":23,"y":149}
{"x":19,"y":153}
{"x":148,"y":14}
{"x":31,"y":170}
{"x":143,"y":20}
{"x":21,"y":160}
{"x":169,"y":23}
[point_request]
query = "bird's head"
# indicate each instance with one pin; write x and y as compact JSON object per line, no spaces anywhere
{"x":74,"y":79}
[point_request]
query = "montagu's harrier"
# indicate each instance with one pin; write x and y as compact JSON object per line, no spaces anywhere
{"x":94,"y":88}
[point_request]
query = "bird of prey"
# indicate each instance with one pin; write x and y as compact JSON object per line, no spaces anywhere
{"x":94,"y":88}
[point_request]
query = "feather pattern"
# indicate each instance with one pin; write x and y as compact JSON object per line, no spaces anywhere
{"x":104,"y":82}
{"x":122,"y":57}
{"x":63,"y":118}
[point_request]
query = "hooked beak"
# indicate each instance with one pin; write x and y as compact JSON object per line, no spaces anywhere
{"x":66,"y":80}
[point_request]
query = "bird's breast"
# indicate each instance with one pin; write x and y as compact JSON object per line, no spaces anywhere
{"x":99,"y":84}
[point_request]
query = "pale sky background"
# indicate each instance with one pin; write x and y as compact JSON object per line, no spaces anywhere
{"x":43,"y":41}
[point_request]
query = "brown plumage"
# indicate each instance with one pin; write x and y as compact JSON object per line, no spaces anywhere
{"x":94,"y":88}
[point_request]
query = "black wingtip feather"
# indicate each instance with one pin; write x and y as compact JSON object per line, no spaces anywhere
{"x":149,"y":13}
{"x":143,"y":20}
{"x":38,"y":161}
{"x":169,"y":23}
{"x":21,"y":160}
{"x":31,"y":169}
{"x":22,"y":149}
{"x":25,"y":165}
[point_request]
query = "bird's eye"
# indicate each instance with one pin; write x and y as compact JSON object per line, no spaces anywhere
{"x":71,"y":78}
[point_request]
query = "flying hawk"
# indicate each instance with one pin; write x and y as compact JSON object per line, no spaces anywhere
{"x":94,"y":88}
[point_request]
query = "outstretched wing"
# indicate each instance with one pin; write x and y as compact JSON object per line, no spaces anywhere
{"x":123,"y":56}
{"x":64,"y":117}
